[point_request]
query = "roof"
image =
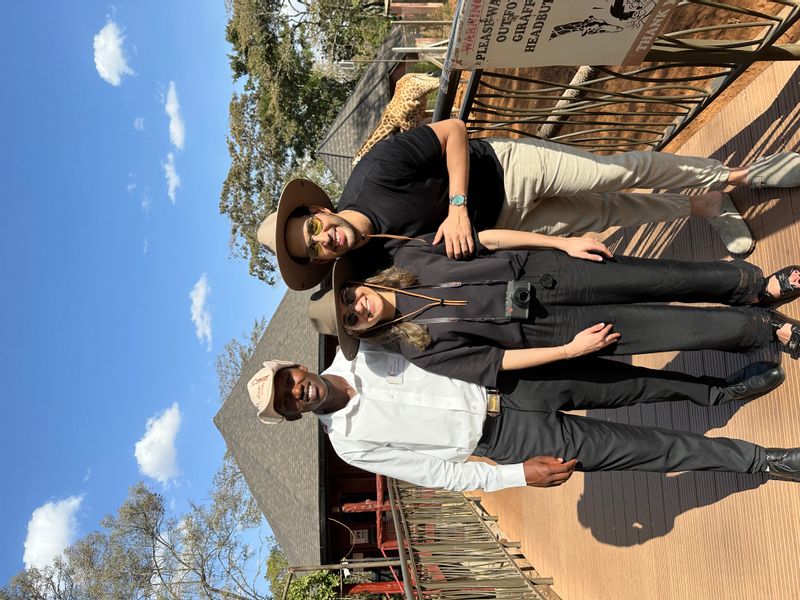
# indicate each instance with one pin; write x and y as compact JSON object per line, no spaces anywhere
{"x":362,"y":111}
{"x":280,"y":462}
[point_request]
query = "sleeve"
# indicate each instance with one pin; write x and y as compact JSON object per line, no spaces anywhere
{"x":429,"y":471}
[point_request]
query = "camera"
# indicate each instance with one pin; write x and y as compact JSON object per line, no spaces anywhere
{"x":518,"y":299}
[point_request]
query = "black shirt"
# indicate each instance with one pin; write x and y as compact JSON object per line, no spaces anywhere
{"x":402,"y":187}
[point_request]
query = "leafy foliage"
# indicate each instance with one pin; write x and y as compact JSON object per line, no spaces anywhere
{"x":286,"y":102}
{"x":317,"y":585}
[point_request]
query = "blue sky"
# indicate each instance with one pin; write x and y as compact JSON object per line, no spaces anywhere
{"x":116,"y":297}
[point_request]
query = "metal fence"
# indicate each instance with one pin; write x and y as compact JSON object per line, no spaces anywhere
{"x":642,"y":107}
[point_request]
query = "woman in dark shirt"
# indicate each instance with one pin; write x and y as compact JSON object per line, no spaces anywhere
{"x":459,"y":318}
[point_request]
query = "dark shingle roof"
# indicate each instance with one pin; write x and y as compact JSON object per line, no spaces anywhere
{"x":280,"y":462}
{"x":361,"y":113}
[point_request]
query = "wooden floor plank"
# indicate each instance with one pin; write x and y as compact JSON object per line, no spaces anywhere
{"x":690,"y":536}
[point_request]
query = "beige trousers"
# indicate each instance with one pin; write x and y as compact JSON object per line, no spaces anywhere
{"x":556,"y":189}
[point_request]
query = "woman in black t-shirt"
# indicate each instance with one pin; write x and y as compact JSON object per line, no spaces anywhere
{"x":513,"y":309}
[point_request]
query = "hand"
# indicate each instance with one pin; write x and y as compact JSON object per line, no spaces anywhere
{"x":547,"y":471}
{"x":585,"y":248}
{"x":590,"y":340}
{"x":457,"y":233}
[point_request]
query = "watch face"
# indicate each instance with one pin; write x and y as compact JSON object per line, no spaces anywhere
{"x":458,"y":200}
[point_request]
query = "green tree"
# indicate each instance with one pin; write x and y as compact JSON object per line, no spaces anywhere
{"x":286,"y":102}
{"x":317,"y":585}
{"x":143,"y":553}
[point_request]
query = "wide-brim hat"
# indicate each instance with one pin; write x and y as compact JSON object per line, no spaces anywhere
{"x":323,"y":309}
{"x":298,"y":274}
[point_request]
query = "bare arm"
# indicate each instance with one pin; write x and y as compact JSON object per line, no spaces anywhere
{"x":587,"y":341}
{"x":510,"y":239}
{"x":456,"y":229}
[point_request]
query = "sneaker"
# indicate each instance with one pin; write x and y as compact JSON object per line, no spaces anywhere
{"x":779,"y":170}
{"x":731,"y":228}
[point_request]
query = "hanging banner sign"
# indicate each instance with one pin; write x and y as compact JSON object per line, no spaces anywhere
{"x":533,"y":33}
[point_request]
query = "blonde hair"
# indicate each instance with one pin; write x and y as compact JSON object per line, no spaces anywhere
{"x":414,"y":335}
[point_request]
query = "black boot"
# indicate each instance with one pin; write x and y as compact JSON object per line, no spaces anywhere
{"x":784,"y":463}
{"x":754,"y":380}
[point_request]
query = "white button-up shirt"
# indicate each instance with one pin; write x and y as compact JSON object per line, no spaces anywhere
{"x":412,"y":425}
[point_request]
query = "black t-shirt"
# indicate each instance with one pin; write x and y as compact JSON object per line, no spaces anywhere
{"x":402,"y":187}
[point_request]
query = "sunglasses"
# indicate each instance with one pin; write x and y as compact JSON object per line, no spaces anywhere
{"x":348,"y":297}
{"x":313,"y":227}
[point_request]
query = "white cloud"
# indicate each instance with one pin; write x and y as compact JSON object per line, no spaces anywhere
{"x":145,"y":246}
{"x":173,"y":179}
{"x":155,"y":452}
{"x":177,"y":130}
{"x":109,"y":58}
{"x":146,"y":200}
{"x":138,"y":123}
{"x":201,"y":315}
{"x":88,"y":475}
{"x":53,"y":527}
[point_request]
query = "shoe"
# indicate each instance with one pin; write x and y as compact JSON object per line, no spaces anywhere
{"x":756,"y":379}
{"x":731,"y":228}
{"x":792,"y":347}
{"x":787,"y":291}
{"x":784,"y":463}
{"x":779,"y":170}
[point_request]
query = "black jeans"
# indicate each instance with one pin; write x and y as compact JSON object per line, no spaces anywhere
{"x":573,"y":294}
{"x":531,"y":424}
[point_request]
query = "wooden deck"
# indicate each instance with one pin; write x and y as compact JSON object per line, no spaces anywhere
{"x":691,"y":535}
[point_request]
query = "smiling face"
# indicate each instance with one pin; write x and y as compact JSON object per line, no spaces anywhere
{"x":321,"y":236}
{"x":362,"y":307}
{"x":298,"y":391}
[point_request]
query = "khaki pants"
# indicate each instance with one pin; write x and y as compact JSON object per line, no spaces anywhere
{"x":556,"y":189}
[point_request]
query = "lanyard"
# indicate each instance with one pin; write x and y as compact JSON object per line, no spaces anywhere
{"x":434,"y":301}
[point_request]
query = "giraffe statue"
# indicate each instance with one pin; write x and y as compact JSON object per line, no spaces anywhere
{"x":405,"y":110}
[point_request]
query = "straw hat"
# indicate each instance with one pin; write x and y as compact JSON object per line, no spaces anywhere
{"x":298,"y":274}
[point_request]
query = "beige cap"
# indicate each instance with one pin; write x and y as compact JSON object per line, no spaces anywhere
{"x":262,"y":390}
{"x":298,"y":275}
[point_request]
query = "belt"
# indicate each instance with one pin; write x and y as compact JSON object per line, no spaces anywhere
{"x":492,"y":402}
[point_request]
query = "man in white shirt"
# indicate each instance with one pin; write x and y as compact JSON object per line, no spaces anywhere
{"x":387,"y":416}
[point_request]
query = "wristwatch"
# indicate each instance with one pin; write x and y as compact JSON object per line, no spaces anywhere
{"x":458,"y":200}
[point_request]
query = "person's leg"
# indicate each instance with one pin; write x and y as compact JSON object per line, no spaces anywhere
{"x":591,"y":382}
{"x":582,"y":213}
{"x":628,"y":279}
{"x":655,"y":328}
{"x":550,"y":169}
{"x":582,"y":191}
{"x":514,"y":436}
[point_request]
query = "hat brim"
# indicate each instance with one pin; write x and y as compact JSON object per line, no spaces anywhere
{"x":299,"y":275}
{"x":343,"y":272}
{"x":323,"y":309}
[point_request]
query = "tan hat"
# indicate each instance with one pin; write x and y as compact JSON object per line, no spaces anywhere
{"x":262,"y":390}
{"x":324,"y":312}
{"x":298,"y":275}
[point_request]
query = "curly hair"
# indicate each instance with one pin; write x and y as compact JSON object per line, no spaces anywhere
{"x":414,"y":335}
